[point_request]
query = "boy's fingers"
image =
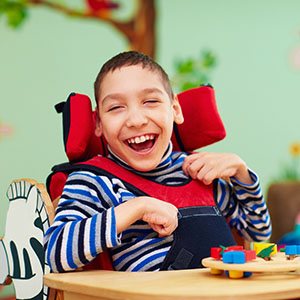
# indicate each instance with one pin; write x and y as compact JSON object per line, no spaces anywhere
{"x":188,"y":161}
{"x":165,"y":231}
{"x":207,"y":176}
{"x":160,"y":230}
{"x":195,"y":167}
{"x":156,"y":227}
{"x":167,"y":228}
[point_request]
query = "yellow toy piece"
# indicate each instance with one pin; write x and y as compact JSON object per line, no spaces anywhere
{"x":236,"y":274}
{"x":258,"y":247}
{"x":216,"y":271}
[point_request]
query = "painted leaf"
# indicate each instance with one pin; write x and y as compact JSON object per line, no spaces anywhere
{"x":266,"y":252}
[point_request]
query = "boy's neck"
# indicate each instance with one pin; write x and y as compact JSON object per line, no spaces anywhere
{"x":164,"y":160}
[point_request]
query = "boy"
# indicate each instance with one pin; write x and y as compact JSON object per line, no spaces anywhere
{"x":136,"y":110}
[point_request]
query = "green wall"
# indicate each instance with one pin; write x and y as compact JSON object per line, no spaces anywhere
{"x":256,"y":85}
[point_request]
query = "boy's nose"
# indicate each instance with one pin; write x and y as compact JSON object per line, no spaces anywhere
{"x":136,"y":119}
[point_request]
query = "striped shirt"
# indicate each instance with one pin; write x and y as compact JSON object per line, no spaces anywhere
{"x":85,"y":224}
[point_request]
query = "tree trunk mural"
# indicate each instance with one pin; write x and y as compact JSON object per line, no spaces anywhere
{"x":139,"y":31}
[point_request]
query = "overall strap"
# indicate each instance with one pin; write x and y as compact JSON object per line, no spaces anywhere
{"x":191,"y":193}
{"x":199,"y":229}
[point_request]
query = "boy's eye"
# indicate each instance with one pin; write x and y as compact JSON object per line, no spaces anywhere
{"x":151,"y":101}
{"x":116,"y":107}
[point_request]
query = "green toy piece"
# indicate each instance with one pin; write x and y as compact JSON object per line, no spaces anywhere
{"x":266,"y":252}
{"x":223,"y":249}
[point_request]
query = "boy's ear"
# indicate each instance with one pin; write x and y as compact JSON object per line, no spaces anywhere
{"x":178,"y":116}
{"x":98,"y":127}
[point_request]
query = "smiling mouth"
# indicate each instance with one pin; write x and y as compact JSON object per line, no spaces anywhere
{"x":142,"y":143}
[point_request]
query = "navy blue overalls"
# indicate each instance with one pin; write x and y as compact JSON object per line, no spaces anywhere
{"x":200,"y":222}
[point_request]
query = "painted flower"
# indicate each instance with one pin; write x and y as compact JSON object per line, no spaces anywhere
{"x":5,"y":130}
{"x":295,"y":149}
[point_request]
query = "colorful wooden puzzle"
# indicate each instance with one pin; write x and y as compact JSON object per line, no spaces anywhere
{"x":238,"y":262}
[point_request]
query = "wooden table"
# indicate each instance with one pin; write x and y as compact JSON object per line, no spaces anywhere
{"x":173,"y":285}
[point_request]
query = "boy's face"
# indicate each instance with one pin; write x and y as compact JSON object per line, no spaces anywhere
{"x":136,"y":116}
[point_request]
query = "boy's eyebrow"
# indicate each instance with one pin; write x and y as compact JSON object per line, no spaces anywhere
{"x":151,"y":91}
{"x":143,"y":91}
{"x":111,"y":97}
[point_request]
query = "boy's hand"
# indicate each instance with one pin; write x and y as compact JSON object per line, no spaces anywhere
{"x":160,"y":215}
{"x":207,"y":166}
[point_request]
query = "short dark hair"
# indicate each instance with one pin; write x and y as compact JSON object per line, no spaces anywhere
{"x":131,"y":58}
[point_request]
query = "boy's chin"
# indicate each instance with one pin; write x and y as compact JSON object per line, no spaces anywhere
{"x":143,"y":166}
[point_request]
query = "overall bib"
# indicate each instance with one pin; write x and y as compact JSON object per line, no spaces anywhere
{"x":200,"y":222}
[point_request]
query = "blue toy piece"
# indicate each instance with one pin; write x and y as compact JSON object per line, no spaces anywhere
{"x":292,"y":250}
{"x":247,"y":274}
{"x":227,"y":257}
{"x":234,"y":257}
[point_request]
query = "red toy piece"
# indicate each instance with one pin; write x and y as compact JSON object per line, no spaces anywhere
{"x":234,"y":248}
{"x":216,"y":252}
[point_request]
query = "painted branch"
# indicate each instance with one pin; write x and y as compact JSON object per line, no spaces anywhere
{"x":139,"y":31}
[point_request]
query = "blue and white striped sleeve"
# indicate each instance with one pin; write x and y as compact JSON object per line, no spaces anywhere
{"x":84,"y":223}
{"x":245,"y":208}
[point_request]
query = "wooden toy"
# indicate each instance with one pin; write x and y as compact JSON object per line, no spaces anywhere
{"x":263,"y":258}
{"x":265,"y":250}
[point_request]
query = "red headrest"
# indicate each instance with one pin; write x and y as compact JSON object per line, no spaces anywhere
{"x":202,"y":124}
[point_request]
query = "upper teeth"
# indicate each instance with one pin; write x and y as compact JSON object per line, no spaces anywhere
{"x":141,"y":139}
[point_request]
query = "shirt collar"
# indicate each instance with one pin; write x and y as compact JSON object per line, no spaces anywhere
{"x":166,"y":160}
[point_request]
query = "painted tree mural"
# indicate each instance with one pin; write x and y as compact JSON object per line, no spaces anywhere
{"x":139,"y":30}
